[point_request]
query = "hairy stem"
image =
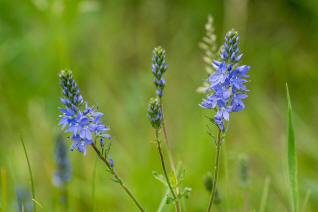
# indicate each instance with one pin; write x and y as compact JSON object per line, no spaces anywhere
{"x":165,"y":169}
{"x":118,"y":179}
{"x":171,"y":161}
{"x":216,"y":169}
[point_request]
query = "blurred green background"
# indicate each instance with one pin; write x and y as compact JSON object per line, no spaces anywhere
{"x":108,"y":45}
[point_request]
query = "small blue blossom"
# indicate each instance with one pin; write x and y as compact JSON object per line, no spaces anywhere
{"x":154,"y":113}
{"x":62,"y":173}
{"x":111,"y":162}
{"x":83,"y":122}
{"x":159,"y":67}
{"x":227,"y":83}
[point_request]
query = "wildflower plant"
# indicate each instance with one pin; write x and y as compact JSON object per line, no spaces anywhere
{"x":155,"y":115}
{"x":85,"y":127}
{"x":225,"y":92}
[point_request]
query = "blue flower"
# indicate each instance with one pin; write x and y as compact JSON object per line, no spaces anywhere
{"x":159,"y":66}
{"x":62,"y":173}
{"x":83,"y":122}
{"x":227,"y":84}
{"x":154,"y":113}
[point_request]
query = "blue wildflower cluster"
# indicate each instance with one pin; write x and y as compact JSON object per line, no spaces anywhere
{"x":24,"y":199}
{"x":154,"y":113}
{"x":227,"y":82}
{"x":62,"y":173}
{"x":159,"y":66}
{"x":83,"y":122}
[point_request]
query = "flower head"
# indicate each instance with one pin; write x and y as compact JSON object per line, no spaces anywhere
{"x":227,"y":84}
{"x":83,"y":122}
{"x":154,"y":113}
{"x":159,"y":66}
{"x":62,"y":173}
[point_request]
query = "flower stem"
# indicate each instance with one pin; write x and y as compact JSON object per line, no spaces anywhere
{"x":216,"y":169}
{"x":171,"y":161}
{"x":118,"y":179}
{"x":164,"y":169}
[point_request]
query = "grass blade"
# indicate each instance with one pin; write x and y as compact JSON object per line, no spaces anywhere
{"x":4,"y":189}
{"x":39,"y":204}
{"x":308,"y":193}
{"x":292,"y":158}
{"x":265,"y":194}
{"x":30,"y":172}
{"x":163,"y":201}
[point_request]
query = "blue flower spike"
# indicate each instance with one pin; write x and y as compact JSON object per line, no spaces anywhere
{"x":154,"y":113}
{"x":159,"y":67}
{"x":62,"y":174}
{"x":83,"y":122}
{"x":227,"y":84}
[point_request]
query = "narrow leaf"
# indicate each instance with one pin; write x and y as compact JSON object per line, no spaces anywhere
{"x":30,"y":171}
{"x":163,"y":200}
{"x":292,"y":158}
{"x":36,"y":202}
{"x":160,"y":177}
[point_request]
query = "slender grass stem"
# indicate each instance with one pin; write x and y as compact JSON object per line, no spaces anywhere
{"x":292,"y":157}
{"x":117,"y":178}
{"x":30,"y":172}
{"x":171,"y":161}
{"x":216,"y":169}
{"x":165,"y":169}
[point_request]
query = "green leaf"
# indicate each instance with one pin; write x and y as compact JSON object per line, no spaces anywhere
{"x":163,"y":200}
{"x":173,"y":180}
{"x":160,"y":177}
{"x":170,"y":199}
{"x":292,"y":158}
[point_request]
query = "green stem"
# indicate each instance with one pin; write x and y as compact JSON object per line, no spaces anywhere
{"x":118,"y":179}
{"x":171,"y":161}
{"x":216,"y":169}
{"x":30,"y":172}
{"x":164,"y":167}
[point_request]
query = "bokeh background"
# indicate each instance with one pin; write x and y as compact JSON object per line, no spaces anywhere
{"x":108,"y":45}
